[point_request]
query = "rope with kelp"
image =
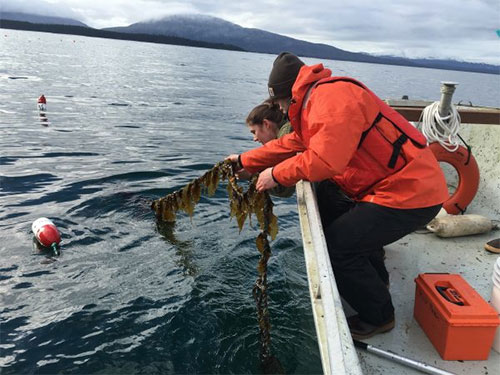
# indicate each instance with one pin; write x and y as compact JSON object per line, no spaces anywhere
{"x":242,"y":206}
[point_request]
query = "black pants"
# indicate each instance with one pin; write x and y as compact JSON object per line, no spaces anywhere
{"x":355,"y":234}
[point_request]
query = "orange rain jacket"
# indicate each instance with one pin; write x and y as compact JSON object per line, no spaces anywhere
{"x":325,"y":144}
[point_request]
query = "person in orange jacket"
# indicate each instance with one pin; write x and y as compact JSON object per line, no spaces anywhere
{"x":377,"y":179}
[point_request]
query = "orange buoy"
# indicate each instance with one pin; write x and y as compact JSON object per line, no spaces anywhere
{"x":468,"y":176}
{"x":42,"y":103}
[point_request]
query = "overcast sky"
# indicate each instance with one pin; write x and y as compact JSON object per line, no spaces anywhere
{"x":457,"y":29}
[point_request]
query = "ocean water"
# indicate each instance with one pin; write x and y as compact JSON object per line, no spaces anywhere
{"x":126,"y":123}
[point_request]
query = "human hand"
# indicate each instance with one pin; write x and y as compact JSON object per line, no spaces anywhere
{"x":266,"y":180}
{"x":233,"y":158}
{"x":243,"y":174}
{"x":235,"y":161}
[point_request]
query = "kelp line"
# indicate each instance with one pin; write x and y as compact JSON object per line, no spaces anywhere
{"x":242,"y":206}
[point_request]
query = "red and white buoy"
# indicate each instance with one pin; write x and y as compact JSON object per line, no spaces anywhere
{"x":46,"y":233}
{"x":42,"y":103}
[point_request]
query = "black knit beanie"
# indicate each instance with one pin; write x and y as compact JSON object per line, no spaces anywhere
{"x":285,"y":70}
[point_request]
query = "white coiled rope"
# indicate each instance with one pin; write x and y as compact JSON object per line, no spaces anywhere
{"x":441,"y":129}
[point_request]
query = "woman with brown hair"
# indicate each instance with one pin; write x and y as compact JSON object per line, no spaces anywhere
{"x":267,"y":122}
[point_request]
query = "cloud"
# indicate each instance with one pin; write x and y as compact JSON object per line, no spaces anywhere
{"x":423,"y":28}
{"x":44,"y":8}
{"x":123,"y":13}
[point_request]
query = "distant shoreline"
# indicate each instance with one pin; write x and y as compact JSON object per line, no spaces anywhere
{"x":96,"y":33}
{"x":178,"y":41}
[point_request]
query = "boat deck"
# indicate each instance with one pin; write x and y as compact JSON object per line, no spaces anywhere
{"x":418,"y":253}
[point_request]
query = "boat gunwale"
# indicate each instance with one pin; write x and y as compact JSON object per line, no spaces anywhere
{"x":338,"y":354}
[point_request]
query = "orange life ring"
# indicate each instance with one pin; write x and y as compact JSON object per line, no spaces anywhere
{"x":468,"y":176}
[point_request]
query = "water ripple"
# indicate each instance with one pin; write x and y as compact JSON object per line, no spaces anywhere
{"x":27,"y":183}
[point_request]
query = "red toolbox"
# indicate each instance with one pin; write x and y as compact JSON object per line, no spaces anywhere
{"x":459,"y":322}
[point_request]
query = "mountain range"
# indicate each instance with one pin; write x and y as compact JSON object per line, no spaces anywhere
{"x":218,"y":33}
{"x":212,"y":29}
{"x":35,"y":18}
{"x":59,"y":25}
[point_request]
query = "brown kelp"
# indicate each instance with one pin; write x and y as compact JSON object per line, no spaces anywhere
{"x":242,"y":205}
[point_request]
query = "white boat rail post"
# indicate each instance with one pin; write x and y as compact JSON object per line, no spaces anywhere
{"x":338,"y":354}
{"x":444,"y":107}
{"x":447,"y":90}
